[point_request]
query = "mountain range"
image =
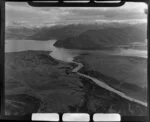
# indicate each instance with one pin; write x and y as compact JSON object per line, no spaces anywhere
{"x":104,"y":38}
{"x":84,"y":36}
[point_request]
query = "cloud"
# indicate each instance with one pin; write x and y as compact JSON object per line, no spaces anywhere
{"x":22,"y":13}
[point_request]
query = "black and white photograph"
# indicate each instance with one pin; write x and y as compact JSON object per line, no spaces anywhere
{"x":76,"y":59}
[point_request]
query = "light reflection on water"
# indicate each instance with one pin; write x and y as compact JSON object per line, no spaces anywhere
{"x":131,"y":52}
{"x":63,"y":54}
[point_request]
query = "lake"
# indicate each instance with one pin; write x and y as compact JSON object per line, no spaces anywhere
{"x":63,"y":54}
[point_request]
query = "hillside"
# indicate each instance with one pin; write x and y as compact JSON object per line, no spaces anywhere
{"x":47,"y":33}
{"x":61,"y":32}
{"x":19,"y":32}
{"x":35,"y":82}
{"x":104,"y":38}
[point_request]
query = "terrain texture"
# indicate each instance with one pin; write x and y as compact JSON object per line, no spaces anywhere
{"x":35,"y":82}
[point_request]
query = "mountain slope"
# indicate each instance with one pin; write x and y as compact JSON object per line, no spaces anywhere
{"x":61,"y":31}
{"x":104,"y":38}
{"x":19,"y":32}
{"x":83,"y":36}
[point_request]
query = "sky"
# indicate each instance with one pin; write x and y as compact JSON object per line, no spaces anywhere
{"x":24,"y":14}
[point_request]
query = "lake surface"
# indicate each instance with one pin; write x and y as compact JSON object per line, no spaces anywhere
{"x":131,"y":52}
{"x":63,"y":54}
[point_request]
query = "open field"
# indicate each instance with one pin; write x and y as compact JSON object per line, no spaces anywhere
{"x":35,"y":82}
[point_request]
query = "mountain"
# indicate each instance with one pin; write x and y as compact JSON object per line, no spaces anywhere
{"x":58,"y":32}
{"x":62,"y":31}
{"x":103,"y":38}
{"x":83,"y":36}
{"x":47,"y":33}
{"x":19,"y":32}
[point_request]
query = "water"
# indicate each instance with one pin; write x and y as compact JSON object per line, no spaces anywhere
{"x":57,"y":53}
{"x":63,"y":54}
{"x":131,"y":52}
{"x":23,"y":45}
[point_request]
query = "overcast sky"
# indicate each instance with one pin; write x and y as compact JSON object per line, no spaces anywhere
{"x":23,"y":14}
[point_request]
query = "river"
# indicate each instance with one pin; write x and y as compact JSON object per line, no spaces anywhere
{"x":67,"y":55}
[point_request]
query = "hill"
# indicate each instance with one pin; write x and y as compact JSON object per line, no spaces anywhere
{"x":105,"y":38}
{"x":83,"y":36}
{"x":19,"y":32}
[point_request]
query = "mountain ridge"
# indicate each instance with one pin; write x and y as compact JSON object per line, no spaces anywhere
{"x":104,"y":38}
{"x":83,"y":36}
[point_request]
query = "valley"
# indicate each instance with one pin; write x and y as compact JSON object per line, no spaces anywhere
{"x":41,"y":69}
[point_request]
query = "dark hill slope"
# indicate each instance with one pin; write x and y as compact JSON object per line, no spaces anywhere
{"x":19,"y":32}
{"x":103,"y":38}
{"x":61,"y":32}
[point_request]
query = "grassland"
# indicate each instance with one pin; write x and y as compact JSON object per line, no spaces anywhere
{"x":38,"y":75}
{"x":35,"y":82}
